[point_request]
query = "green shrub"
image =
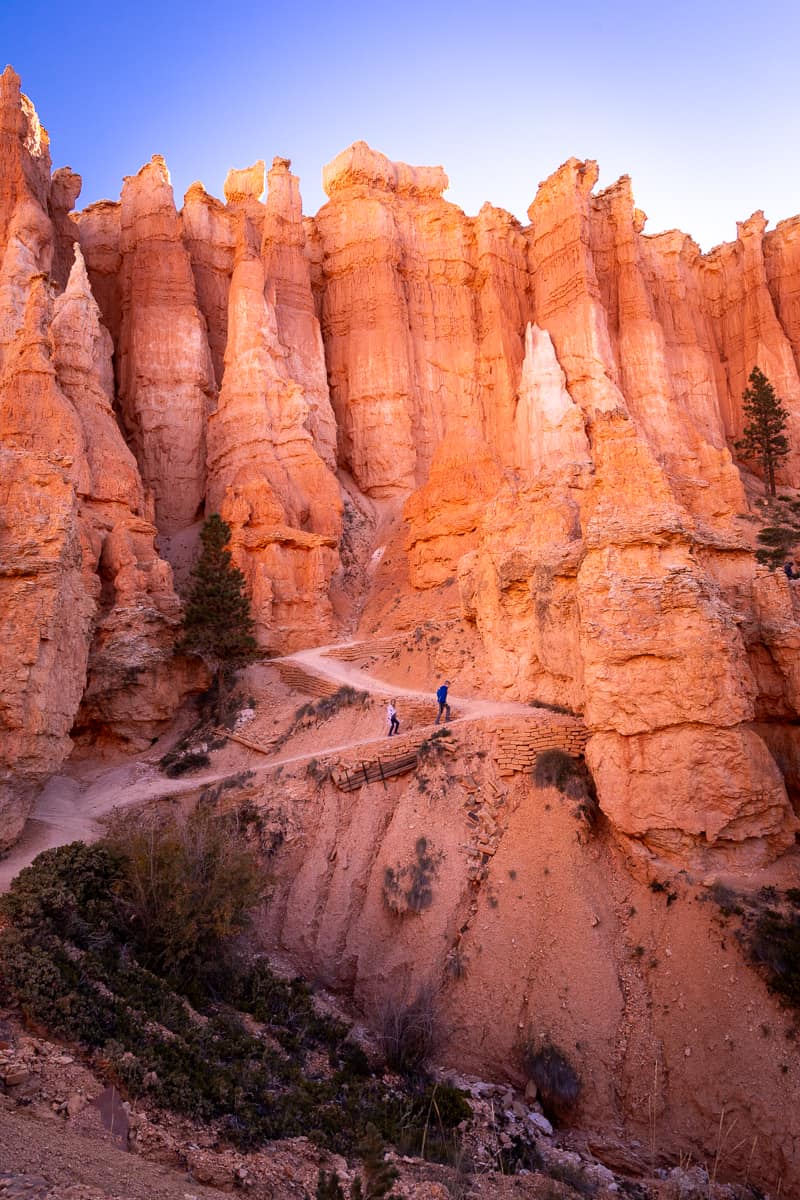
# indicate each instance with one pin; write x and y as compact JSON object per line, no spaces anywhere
{"x":574,"y":1176}
{"x":376,"y":1181}
{"x":187,"y":885}
{"x":176,"y":764}
{"x":556,"y":708}
{"x":775,"y":945}
{"x":448,"y":1104}
{"x":554,"y":768}
{"x":345,"y":697}
{"x":431,"y":749}
{"x":66,"y":892}
{"x":409,"y":1033}
{"x":286,"y":1007}
{"x":379,"y":1176}
{"x":328,"y":1186}
{"x":409,"y":888}
{"x":557,"y":1081}
{"x":780,"y":532}
{"x":70,"y":951}
{"x":572,"y":778}
{"x":521,"y":1155}
{"x":323,"y":710}
{"x":722,"y":895}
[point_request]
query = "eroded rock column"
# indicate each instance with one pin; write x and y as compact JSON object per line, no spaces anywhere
{"x":165,"y":375}
{"x":264,"y":476}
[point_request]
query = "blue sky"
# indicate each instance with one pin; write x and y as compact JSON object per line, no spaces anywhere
{"x":698,"y":102}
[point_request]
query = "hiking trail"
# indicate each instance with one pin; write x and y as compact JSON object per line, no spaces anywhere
{"x":70,"y":809}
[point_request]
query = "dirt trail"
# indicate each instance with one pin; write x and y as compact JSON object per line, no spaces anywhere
{"x":46,"y":1148}
{"x":317,"y":660}
{"x":68,"y":810}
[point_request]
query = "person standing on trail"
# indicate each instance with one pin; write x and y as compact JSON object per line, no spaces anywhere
{"x":391,"y":716}
{"x":444,"y":707}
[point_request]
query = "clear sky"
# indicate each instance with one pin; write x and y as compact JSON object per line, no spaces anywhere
{"x":697,"y":100}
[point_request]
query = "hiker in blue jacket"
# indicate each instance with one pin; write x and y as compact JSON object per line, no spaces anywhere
{"x":444,"y":707}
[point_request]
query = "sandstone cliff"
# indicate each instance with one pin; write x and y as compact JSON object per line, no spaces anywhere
{"x":512,"y":443}
{"x":84,"y":592}
{"x":554,"y":404}
{"x":166,"y":385}
{"x":648,"y":993}
{"x":265,"y":478}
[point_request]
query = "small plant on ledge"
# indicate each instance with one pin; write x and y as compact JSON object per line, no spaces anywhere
{"x":409,"y":889}
{"x":573,"y":779}
{"x":557,"y":1082}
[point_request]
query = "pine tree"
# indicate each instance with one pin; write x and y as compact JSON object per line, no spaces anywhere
{"x":217,"y":623}
{"x":764,"y":436}
{"x":380,"y":1176}
{"x":377,"y":1181}
{"x":780,"y":533}
{"x":328,"y":1186}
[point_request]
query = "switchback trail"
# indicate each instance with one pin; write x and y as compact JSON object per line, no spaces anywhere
{"x":319,"y":662}
{"x":68,"y":811}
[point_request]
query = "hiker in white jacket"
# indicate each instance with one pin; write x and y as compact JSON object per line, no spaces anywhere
{"x":391,"y":716}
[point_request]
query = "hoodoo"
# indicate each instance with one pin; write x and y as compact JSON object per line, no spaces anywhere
{"x":446,"y":447}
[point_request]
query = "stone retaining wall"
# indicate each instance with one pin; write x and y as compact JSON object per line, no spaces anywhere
{"x":519,"y":741}
{"x":377,"y":648}
{"x":301,"y":680}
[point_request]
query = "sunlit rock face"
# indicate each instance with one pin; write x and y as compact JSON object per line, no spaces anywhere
{"x":72,"y":599}
{"x":592,"y":513}
{"x":65,"y":187}
{"x":265,"y":477}
{"x":210,"y":238}
{"x":287,"y":271}
{"x":134,"y":683}
{"x":782,"y":263}
{"x":423,"y":316}
{"x":552,"y":406}
{"x":165,"y":375}
{"x":45,"y":612}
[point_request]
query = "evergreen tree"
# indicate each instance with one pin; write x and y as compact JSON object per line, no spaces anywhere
{"x":764,"y":436}
{"x":217,"y":624}
{"x":377,"y":1181}
{"x":780,"y":533}
{"x":329,"y":1187}
{"x":380,"y":1176}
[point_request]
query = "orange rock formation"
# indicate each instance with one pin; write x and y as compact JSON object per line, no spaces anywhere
{"x":88,"y":608}
{"x":555,"y":406}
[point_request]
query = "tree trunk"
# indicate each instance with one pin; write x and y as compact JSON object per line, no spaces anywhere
{"x":222,"y":695}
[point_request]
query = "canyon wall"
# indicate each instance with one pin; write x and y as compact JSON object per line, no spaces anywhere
{"x":87,"y":607}
{"x":554,"y":407}
{"x":546,"y":931}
